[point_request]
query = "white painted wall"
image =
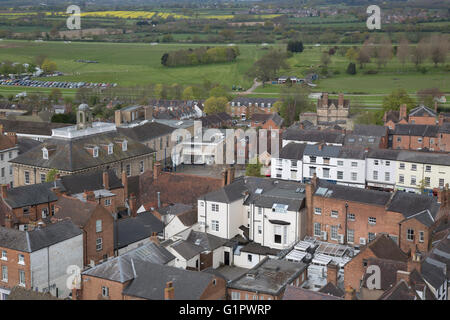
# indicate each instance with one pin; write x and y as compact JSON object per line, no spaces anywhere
{"x":383,"y":167}
{"x":5,"y":166}
{"x":285,"y":168}
{"x":53,"y":262}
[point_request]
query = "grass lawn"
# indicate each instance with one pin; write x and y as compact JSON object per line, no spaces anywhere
{"x":130,"y":64}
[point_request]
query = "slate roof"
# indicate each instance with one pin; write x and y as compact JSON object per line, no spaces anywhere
{"x":352,"y":153}
{"x":411,"y":205}
{"x":434,"y":272}
{"x":246,"y":100}
{"x":293,"y":151}
{"x":387,"y":154}
{"x":207,"y":241}
{"x":326,"y":151}
{"x":257,"y":248}
{"x":422,"y":111}
{"x":72,"y":155}
{"x":146,"y":131}
{"x":79,"y":212}
{"x":370,"y":130}
{"x":264,"y":117}
{"x":441,"y":252}
{"x":186,"y":249}
{"x":132,"y":229}
{"x":152,"y":279}
{"x":420,"y":130}
{"x":346,"y":193}
{"x":188,"y":218}
{"x":174,"y":209}
{"x":314,"y":135}
{"x":26,"y":144}
{"x":39,"y":238}
{"x":401,"y":291}
{"x":173,"y":187}
{"x":385,"y":248}
{"x":424,"y":157}
{"x":122,"y":268}
{"x":332,"y":290}
{"x":32,"y":194}
{"x":297,"y":293}
{"x":361,"y":140}
{"x":270,"y":276}
{"x":6,"y":143}
{"x":215,"y":119}
{"x":77,"y":183}
{"x":388,"y":272}
{"x":31,"y":127}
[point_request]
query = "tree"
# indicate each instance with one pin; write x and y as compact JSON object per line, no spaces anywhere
{"x":268,"y":66}
{"x":160,"y":91}
{"x":325,"y":59}
{"x":49,"y":66}
{"x":438,"y":49}
{"x":55,"y":95}
{"x":293,"y":102}
{"x":218,"y":91}
{"x":351,"y":68}
{"x":215,"y":105}
{"x":427,"y":96}
{"x":253,"y":170}
{"x":51,"y":175}
{"x":384,"y":52}
{"x":39,"y":60}
{"x":364,"y":55}
{"x":188,"y":93}
{"x":403,"y":51}
{"x":419,"y":53}
{"x":398,"y":97}
{"x":295,"y":46}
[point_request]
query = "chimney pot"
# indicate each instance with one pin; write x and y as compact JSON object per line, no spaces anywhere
{"x":106,"y":180}
{"x":169,"y":293}
{"x":133,"y":205}
{"x":156,"y":170}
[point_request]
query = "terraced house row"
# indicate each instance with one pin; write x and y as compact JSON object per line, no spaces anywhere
{"x":382,"y":169}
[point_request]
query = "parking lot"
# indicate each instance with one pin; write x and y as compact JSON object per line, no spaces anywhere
{"x":54,"y":84}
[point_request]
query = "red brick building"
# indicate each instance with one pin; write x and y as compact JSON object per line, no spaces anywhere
{"x":268,"y":280}
{"x":267,"y":121}
{"x":96,"y":222}
{"x":349,"y":215}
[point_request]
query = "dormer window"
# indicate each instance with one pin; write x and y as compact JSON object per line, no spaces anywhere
{"x":124,"y":145}
{"x":45,"y":153}
{"x":95,"y":152}
{"x":110,"y":148}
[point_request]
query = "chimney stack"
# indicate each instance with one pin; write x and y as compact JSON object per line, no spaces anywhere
{"x":13,"y":137}
{"x":169,"y":293}
{"x":325,"y":99}
{"x":2,"y":131}
{"x":133,"y":205}
{"x":402,"y":112}
{"x":118,"y":118}
{"x":89,"y":195}
{"x":332,"y":273}
{"x":8,"y":222}
{"x":435,"y":107}
{"x":341,"y":100}
{"x":148,"y":113}
{"x":415,"y":262}
{"x":314,"y":182}
{"x":106,"y":180}
{"x":224,"y":177}
{"x":320,"y":146}
{"x":154,"y":238}
{"x":156,"y":170}
{"x":403,"y":275}
{"x":4,"y":189}
{"x":350,"y":293}
{"x":125,"y":185}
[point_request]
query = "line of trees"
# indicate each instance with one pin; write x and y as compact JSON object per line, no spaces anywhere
{"x":203,"y":55}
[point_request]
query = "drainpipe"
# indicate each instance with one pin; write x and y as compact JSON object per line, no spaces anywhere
{"x":346,"y":217}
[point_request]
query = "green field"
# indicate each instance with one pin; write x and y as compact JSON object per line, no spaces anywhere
{"x":131,"y":64}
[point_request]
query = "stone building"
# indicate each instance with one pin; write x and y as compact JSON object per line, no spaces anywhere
{"x":86,"y":147}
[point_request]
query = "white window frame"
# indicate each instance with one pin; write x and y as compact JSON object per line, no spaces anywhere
{"x":215,"y":225}
{"x":315,"y":226}
{"x":99,"y":244}
{"x":5,"y":273}
{"x":372,"y":220}
{"x":22,"y":278}
{"x":21,"y":260}
{"x":98,"y":225}
{"x":214,"y":207}
{"x":334,"y":213}
{"x":318,"y":211}
{"x":27,"y":177}
{"x":105,"y":291}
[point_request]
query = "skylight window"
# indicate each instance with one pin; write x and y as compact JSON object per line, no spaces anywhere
{"x":259,"y":191}
{"x":45,"y":153}
{"x":282,"y":208}
{"x":95,"y":152}
{"x":124,"y":145}
{"x":110,"y":148}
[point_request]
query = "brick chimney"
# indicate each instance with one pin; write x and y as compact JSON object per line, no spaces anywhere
{"x":133,"y":205}
{"x":154,"y":238}
{"x":125,"y":185}
{"x":224,"y":177}
{"x":13,"y":137}
{"x":443,"y":196}
{"x":415,"y":262}
{"x":4,"y":189}
{"x":106,"y":180}
{"x":156,"y":170}
{"x":350,"y":293}
{"x":314,"y":182}
{"x":405,"y":275}
{"x":320,"y":146}
{"x":118,"y":118}
{"x":169,"y":293}
{"x":341,"y":100}
{"x":435,"y":107}
{"x":89,"y":195}
{"x":402,"y":113}
{"x":2,"y":131}
{"x":230,"y":175}
{"x":325,"y":99}
{"x":332,"y":273}
{"x":8,"y":222}
{"x":148,"y":113}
